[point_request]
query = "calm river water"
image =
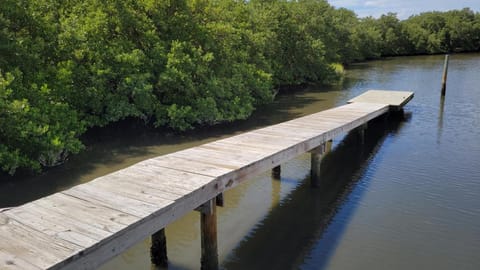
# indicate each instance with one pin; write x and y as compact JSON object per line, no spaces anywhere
{"x":408,"y":198}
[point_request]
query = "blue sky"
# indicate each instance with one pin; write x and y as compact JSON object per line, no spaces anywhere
{"x":403,"y":8}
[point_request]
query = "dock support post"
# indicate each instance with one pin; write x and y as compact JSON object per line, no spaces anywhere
{"x":208,"y":229}
{"x":219,"y":200}
{"x":158,"y":250}
{"x":361,"y":130}
{"x":444,"y":76}
{"x":316,"y":159}
{"x":276,"y":172}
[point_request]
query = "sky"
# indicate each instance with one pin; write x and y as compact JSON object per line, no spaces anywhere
{"x":403,"y":8}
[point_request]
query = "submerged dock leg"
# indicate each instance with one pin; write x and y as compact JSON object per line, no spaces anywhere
{"x":208,"y":229}
{"x":317,"y":155}
{"x":158,"y":250}
{"x":276,"y":172}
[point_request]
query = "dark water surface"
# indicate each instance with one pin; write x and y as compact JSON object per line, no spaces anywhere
{"x":408,"y":198}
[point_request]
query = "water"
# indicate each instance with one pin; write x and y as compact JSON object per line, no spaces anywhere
{"x":407,"y":198}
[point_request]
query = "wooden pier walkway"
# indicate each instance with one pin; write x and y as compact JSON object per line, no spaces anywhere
{"x":84,"y":226}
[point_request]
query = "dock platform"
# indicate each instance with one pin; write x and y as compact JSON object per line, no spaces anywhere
{"x":88,"y":224}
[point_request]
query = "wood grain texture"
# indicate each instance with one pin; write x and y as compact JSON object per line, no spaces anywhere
{"x":392,"y":98}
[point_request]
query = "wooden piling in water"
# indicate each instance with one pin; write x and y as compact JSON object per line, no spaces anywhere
{"x":444,"y":76}
{"x":316,"y":157}
{"x":158,"y":249}
{"x":276,"y":172}
{"x":361,"y":130}
{"x":208,"y":227}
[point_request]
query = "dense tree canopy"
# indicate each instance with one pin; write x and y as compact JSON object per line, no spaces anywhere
{"x":437,"y":32}
{"x":69,"y":65}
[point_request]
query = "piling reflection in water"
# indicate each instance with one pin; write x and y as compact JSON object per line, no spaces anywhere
{"x":292,"y":227}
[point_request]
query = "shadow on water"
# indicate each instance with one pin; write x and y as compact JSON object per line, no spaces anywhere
{"x":123,"y":144}
{"x":289,"y":231}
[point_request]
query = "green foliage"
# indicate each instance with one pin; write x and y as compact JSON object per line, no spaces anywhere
{"x":66,"y":66}
{"x":368,"y":39}
{"x":35,"y":133}
{"x":443,"y":32}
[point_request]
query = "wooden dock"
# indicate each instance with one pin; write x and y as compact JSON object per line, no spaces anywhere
{"x":85,"y":226}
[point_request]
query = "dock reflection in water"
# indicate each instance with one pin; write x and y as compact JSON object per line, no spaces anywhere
{"x":289,"y":231}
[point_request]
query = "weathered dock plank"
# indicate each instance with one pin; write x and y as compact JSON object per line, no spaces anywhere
{"x":58,"y":225}
{"x":31,"y":246}
{"x":107,"y":198}
{"x":84,"y":226}
{"x":11,"y":262}
{"x":392,"y":98}
{"x":186,"y":165}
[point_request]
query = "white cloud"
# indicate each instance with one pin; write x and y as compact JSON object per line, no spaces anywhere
{"x":375,"y":3}
{"x":344,"y":3}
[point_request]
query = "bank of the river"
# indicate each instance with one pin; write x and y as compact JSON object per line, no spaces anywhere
{"x":407,"y":200}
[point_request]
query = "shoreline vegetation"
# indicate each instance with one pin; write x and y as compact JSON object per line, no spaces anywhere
{"x":69,"y":66}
